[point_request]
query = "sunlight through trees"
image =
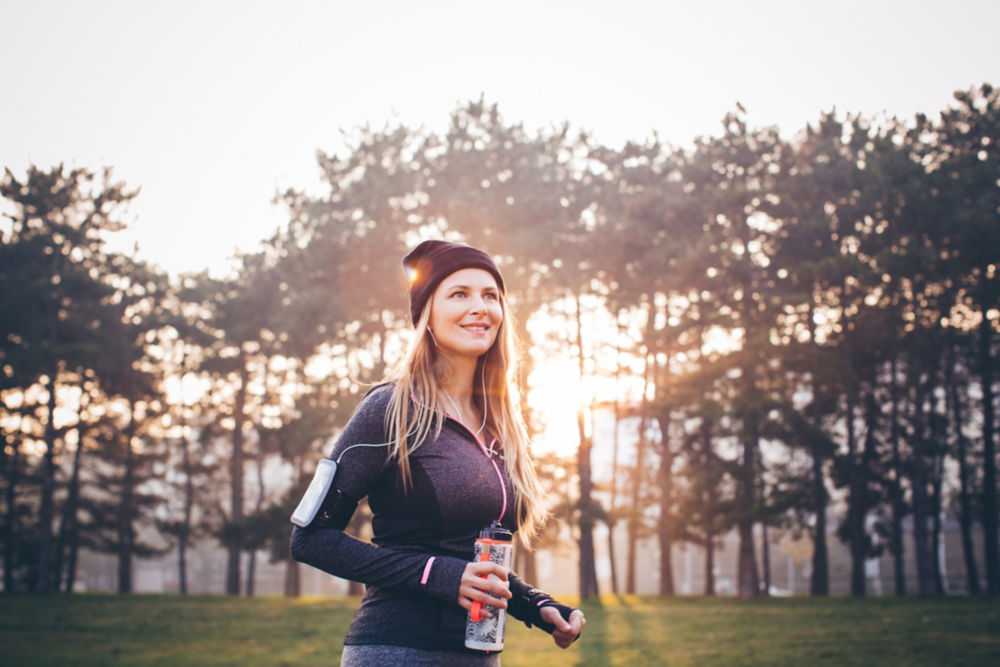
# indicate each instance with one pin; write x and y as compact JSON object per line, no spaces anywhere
{"x":782,"y":331}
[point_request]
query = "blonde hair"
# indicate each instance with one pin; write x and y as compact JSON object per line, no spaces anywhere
{"x":416,"y":411}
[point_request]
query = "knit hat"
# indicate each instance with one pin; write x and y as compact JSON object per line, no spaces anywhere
{"x":433,"y":261}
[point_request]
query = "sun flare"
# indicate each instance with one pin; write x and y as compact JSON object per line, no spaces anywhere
{"x":556,"y":393}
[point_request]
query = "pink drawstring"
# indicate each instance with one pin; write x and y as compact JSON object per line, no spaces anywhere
{"x":503,"y":487}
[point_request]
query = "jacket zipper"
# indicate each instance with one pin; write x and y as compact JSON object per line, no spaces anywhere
{"x":496,"y":468}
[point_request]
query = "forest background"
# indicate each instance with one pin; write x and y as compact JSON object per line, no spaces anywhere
{"x":800,"y":318}
{"x":785,"y":330}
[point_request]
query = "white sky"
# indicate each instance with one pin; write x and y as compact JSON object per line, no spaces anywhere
{"x":211,"y":107}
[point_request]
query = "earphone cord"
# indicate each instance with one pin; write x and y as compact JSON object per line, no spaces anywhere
{"x":459,"y":412}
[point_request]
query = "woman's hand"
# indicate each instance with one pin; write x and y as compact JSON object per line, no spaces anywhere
{"x":565,"y":632}
{"x":476,"y":584}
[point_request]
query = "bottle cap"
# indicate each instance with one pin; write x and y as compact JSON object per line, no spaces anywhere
{"x":496,"y":531}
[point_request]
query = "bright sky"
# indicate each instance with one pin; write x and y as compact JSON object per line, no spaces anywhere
{"x":212,"y":106}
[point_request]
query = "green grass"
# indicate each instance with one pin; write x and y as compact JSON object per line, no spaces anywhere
{"x":95,"y":629}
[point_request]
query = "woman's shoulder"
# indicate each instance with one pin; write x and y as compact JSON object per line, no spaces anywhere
{"x":381,"y":392}
{"x":375,"y":402}
{"x":367,"y":422}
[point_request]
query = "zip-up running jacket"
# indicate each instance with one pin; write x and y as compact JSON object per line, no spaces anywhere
{"x":423,"y":537}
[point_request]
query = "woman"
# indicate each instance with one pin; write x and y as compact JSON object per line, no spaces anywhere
{"x":441,"y":452}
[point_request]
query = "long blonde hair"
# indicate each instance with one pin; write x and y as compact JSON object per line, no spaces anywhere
{"x":416,"y":412}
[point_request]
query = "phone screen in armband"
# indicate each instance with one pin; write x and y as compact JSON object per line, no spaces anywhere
{"x":316,"y":493}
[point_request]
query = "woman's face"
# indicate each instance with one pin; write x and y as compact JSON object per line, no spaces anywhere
{"x":466,"y":313}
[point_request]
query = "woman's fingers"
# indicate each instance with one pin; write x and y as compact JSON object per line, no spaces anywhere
{"x":565,"y":632}
{"x":477,"y":585}
{"x":485,"y":568}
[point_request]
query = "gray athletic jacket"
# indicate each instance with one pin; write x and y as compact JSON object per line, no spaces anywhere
{"x":423,"y":537}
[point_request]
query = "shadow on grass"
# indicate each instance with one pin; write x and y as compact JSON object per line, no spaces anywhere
{"x":593,"y":642}
{"x":95,"y":629}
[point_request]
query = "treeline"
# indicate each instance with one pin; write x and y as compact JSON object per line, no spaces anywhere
{"x":810,"y":319}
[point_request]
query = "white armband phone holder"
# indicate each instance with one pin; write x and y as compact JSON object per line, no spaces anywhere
{"x":316,"y":494}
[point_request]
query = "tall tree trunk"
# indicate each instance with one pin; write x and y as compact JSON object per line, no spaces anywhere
{"x":710,"y":563}
{"x":748,"y":580}
{"x":709,"y":503}
{"x":964,"y":494}
{"x":635,"y":504}
{"x":46,"y":510}
{"x":937,"y":563}
{"x":184,"y":530}
{"x":630,"y":553}
{"x":184,"y":534}
{"x":819,"y":582}
{"x":9,"y":532}
{"x":251,"y":572}
{"x":665,"y":479}
{"x":856,"y":503}
{"x":293,"y":579}
{"x":991,"y":535}
{"x":635,"y":511}
{"x":938,"y":441}
{"x":613,"y":503}
{"x":252,"y":565}
{"x":69,"y":526}
{"x":765,"y":557}
{"x":525,"y":563}
{"x":588,"y":566}
{"x":921,"y":538}
{"x":869,"y":453}
{"x":896,"y":545}
{"x":760,"y":493}
{"x":236,"y":480}
{"x":632,"y":540}
{"x":611,"y":557}
{"x":126,"y":531}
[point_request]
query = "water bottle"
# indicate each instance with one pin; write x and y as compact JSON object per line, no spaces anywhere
{"x":486,"y":634}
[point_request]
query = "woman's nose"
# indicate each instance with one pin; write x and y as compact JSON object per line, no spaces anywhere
{"x":477,"y":305}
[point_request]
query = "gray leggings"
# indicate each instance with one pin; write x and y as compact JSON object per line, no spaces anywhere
{"x":382,"y":654}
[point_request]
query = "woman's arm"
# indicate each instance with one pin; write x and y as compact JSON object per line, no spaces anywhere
{"x":337,"y":553}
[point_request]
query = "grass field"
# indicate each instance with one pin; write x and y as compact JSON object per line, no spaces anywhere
{"x":95,"y":629}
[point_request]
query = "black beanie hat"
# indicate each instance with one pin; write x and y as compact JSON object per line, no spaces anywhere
{"x":433,"y":261}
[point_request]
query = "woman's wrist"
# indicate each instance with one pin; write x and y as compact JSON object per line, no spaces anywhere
{"x":442,"y":577}
{"x":527,"y":604}
{"x":564,"y":610}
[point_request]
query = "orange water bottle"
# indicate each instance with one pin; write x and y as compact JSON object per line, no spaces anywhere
{"x":494,"y":544}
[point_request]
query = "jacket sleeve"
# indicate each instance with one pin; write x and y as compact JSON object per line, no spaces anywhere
{"x":341,"y":555}
{"x":526,"y":604}
{"x":361,"y":452}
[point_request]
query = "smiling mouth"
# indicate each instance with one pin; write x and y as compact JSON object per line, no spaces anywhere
{"x":475,"y":328}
